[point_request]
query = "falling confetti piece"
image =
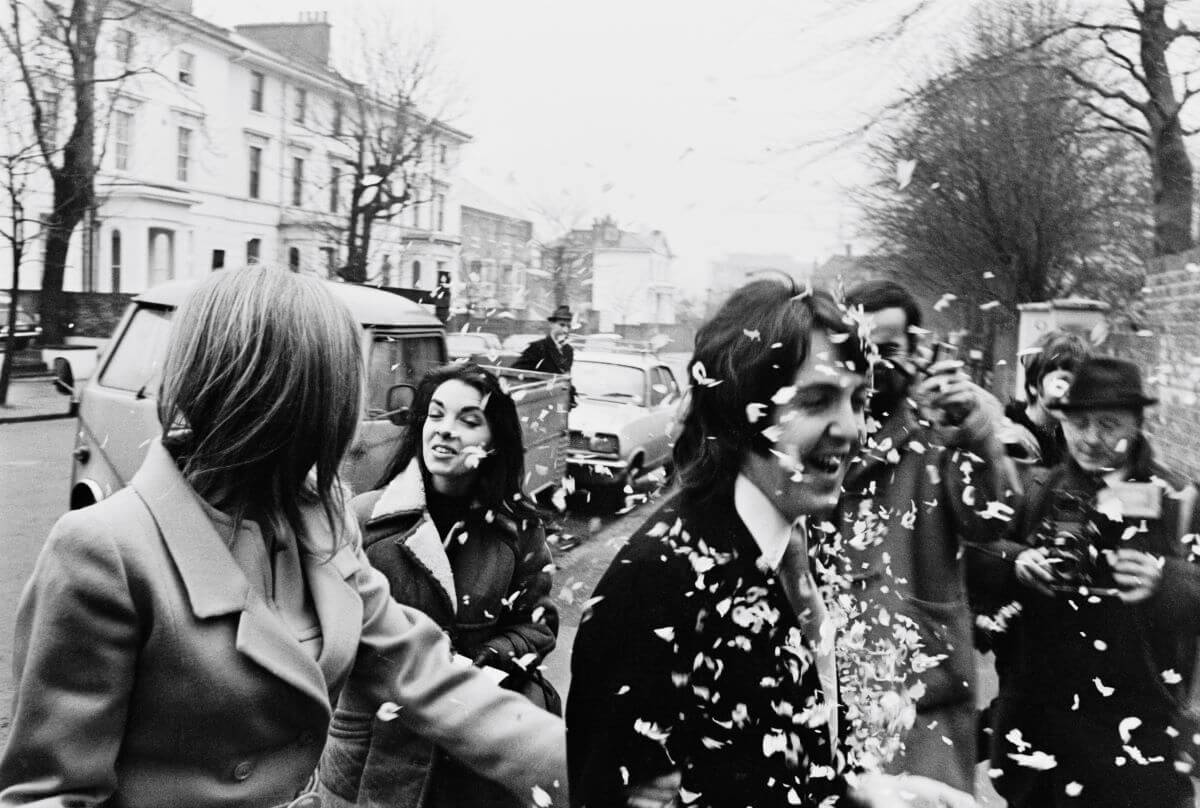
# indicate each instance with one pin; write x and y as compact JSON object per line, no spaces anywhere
{"x":540,"y":798}
{"x":1171,"y":677}
{"x":1074,"y":789}
{"x":991,"y":304}
{"x":388,"y":711}
{"x":1104,"y":689}
{"x":1035,"y":760}
{"x":904,"y":173}
{"x":755,"y":412}
{"x":667,"y":633}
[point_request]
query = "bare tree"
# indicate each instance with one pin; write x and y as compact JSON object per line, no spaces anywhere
{"x":390,"y":128}
{"x":55,"y":48}
{"x":17,"y":168}
{"x":1003,"y":184}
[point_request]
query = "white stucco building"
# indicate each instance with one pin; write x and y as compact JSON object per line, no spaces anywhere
{"x":223,"y":151}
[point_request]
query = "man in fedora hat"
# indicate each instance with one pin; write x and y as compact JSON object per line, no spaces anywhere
{"x":1100,"y":650}
{"x":552,"y":354}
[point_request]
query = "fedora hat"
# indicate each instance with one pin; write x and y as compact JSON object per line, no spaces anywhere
{"x":561,"y":314}
{"x":1105,"y":383}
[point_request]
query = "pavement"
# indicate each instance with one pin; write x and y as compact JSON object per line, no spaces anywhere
{"x":34,"y":398}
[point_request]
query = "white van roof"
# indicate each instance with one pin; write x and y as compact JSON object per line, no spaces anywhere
{"x":370,"y":306}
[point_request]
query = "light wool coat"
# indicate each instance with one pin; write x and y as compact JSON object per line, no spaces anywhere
{"x":150,"y":673}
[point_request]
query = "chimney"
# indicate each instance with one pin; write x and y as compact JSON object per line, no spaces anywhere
{"x":308,"y":39}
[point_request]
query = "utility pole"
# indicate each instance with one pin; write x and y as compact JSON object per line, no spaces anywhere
{"x":18,"y":249}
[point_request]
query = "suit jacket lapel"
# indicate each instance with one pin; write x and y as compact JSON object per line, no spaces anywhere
{"x":214,"y":583}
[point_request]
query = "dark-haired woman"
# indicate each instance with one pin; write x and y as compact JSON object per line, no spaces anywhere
{"x":181,"y":642}
{"x":455,"y":537}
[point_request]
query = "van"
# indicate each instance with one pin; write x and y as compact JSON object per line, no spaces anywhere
{"x":401,"y":341}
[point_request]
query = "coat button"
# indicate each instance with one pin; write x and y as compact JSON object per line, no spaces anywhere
{"x":242,"y":770}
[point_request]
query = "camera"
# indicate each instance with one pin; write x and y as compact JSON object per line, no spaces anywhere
{"x":1070,"y":538}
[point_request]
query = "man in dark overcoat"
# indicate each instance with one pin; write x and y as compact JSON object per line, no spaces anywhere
{"x":703,"y":673}
{"x":552,"y":353}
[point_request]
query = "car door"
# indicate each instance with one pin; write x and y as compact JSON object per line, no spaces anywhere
{"x":661,"y":400}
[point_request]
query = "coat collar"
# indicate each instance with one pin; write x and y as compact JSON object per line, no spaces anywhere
{"x":405,"y":494}
{"x":215,"y":585}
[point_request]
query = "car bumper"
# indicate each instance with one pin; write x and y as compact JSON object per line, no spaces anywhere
{"x":588,"y":470}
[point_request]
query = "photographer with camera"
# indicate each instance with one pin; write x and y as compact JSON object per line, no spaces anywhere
{"x":929,"y":480}
{"x":1099,"y":662}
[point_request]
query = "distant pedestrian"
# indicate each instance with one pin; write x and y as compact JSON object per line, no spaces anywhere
{"x":181,"y":642}
{"x":701,"y":675}
{"x":553,"y":353}
{"x":456,"y":538}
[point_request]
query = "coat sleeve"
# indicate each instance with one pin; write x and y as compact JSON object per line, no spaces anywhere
{"x":529,"y":625}
{"x":625,"y":694}
{"x":531,"y":357}
{"x":404,"y":658}
{"x":1177,"y":602}
{"x":74,"y":659}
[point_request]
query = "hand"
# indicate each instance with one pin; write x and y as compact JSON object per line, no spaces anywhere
{"x":1137,"y":574}
{"x":948,"y":390}
{"x":1033,"y":570}
{"x":661,"y":792}
{"x":907,"y":791}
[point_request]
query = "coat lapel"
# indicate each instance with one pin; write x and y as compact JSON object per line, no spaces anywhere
{"x":339,"y":608}
{"x":214,"y":583}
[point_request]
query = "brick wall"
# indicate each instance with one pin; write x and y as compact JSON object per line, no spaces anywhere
{"x":1168,"y":352}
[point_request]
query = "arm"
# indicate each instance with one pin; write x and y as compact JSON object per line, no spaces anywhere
{"x":74,"y":659}
{"x":405,"y":658}
{"x":624,"y":700}
{"x":530,"y":624}
{"x":531,"y":357}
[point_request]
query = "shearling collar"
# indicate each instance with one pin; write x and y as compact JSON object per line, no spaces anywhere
{"x":404,"y":494}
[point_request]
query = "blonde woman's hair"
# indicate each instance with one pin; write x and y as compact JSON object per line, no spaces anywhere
{"x":263,"y":385}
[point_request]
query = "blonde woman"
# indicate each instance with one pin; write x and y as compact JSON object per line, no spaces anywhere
{"x":182,"y":642}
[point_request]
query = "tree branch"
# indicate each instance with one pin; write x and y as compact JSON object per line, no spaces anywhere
{"x":1113,"y":95}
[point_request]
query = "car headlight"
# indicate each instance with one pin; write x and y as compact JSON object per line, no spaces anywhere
{"x":607,"y":444}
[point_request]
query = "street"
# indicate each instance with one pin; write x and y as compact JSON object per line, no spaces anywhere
{"x":34,"y":481}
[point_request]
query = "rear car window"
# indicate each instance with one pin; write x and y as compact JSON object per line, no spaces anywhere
{"x":398,"y":360}
{"x":136,"y":361}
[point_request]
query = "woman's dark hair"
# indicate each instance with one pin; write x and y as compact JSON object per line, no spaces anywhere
{"x":876,"y":295}
{"x":1057,"y":350}
{"x":751,"y":348}
{"x":502,"y":472}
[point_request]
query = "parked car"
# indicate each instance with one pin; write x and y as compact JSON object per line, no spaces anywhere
{"x":622,"y":426}
{"x":597,"y":342}
{"x":28,"y":326}
{"x":401,"y":340}
{"x":468,"y":344}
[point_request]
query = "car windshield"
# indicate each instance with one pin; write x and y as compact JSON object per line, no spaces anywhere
{"x":136,"y":362}
{"x":604,"y":380}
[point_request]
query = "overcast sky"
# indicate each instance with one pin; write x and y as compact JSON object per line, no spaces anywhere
{"x":674,"y":115}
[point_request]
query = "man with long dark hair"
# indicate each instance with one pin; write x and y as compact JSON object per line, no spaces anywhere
{"x":704,"y":670}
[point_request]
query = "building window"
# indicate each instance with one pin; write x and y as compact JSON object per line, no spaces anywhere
{"x":294,"y":259}
{"x":257,"y":82}
{"x":124,"y":46}
{"x":114,"y":260}
{"x":442,"y":153}
{"x":187,"y":68}
{"x":122,"y":129}
{"x":301,"y":104}
{"x":440,"y":213}
{"x":329,"y":258}
{"x":414,"y":214}
{"x":339,"y":111}
{"x":416,"y":278}
{"x":183,"y":154}
{"x":297,"y":181}
{"x":335,"y":181}
{"x":218,"y":259}
{"x":253,"y":249}
{"x":255,"y":170}
{"x":162,"y":255}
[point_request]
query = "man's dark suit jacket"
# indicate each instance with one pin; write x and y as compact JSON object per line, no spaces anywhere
{"x":546,"y":356}
{"x":692,"y":659}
